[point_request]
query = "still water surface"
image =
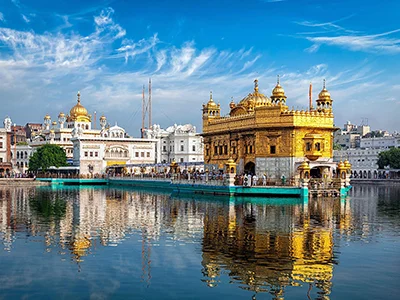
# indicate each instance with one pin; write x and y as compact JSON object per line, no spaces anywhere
{"x":106,"y":242}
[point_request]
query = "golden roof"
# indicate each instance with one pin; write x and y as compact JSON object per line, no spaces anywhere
{"x":254,"y":99}
{"x":304,"y":166}
{"x":47,"y":117}
{"x":278,"y":91}
{"x":78,"y":110}
{"x":347,"y":164}
{"x":211,"y":103}
{"x":61,"y":115}
{"x":232,"y":104}
{"x":324,"y":94}
{"x":102,"y":117}
{"x":341,"y":164}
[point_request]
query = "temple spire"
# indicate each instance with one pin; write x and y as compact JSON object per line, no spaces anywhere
{"x":79,"y":97}
{"x":324,"y":84}
{"x":256,"y":85}
{"x":278,"y":81}
{"x":210,"y":95}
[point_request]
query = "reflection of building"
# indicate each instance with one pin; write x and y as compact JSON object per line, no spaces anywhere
{"x":264,"y":136}
{"x":266,"y":248}
{"x":260,"y":247}
{"x":179,"y":142}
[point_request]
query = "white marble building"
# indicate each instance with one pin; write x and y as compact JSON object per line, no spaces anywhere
{"x":349,"y":136}
{"x":363,"y":161}
{"x":112,"y":148}
{"x":381,"y":142}
{"x":178,"y":142}
{"x":23,"y":153}
{"x":90,"y":149}
{"x":5,"y":155}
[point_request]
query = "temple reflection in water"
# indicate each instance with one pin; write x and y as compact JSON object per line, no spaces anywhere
{"x":263,"y":247}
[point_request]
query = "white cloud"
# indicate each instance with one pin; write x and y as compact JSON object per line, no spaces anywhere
{"x":25,"y":18}
{"x":2,"y":17}
{"x":109,"y":65}
{"x":131,"y":49}
{"x":335,"y":35}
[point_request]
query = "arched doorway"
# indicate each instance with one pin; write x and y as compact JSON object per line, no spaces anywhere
{"x":315,"y":172}
{"x":250,"y":168}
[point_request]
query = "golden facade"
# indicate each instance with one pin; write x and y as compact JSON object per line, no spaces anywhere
{"x":263,"y":135}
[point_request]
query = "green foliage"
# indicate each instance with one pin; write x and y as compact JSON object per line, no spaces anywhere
{"x":337,"y":146}
{"x":47,"y":156}
{"x":47,"y":206}
{"x":374,"y":134}
{"x":22,"y":143}
{"x":389,"y":158}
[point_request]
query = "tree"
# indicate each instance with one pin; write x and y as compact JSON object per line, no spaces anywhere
{"x":389,"y":158}
{"x":47,"y":156}
{"x":337,"y":146}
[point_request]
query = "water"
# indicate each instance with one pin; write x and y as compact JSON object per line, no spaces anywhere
{"x":103,"y":242}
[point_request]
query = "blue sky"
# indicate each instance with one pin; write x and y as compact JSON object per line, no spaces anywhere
{"x":107,"y":50}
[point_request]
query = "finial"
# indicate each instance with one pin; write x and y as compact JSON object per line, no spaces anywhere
{"x":231,"y":99}
{"x":79,"y":96}
{"x":256,"y":85}
{"x":324,"y":83}
{"x":278,"y":81}
{"x":210,"y":95}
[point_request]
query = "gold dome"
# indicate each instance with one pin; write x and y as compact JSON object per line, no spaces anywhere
{"x":347,"y":164}
{"x":54,"y":123}
{"x":47,"y":117}
{"x":102,"y":117}
{"x":304,"y":166}
{"x":79,"y":111}
{"x":341,"y":165}
{"x":61,"y":115}
{"x":324,"y":94}
{"x":211,"y":104}
{"x":232,"y":104}
{"x":278,"y":91}
{"x":255,"y":99}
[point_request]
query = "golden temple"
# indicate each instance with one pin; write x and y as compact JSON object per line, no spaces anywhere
{"x":263,"y":136}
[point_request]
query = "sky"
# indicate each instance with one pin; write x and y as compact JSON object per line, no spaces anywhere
{"x":107,"y":50}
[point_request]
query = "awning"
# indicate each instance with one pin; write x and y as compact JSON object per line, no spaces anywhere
{"x":115,"y":162}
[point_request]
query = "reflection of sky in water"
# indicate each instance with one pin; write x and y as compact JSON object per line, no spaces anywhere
{"x":104,"y":242}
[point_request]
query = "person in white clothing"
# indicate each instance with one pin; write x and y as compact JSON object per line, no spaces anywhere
{"x":255,"y":179}
{"x":264,"y":179}
{"x":249,"y":180}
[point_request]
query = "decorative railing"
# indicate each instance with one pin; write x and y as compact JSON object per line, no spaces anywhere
{"x":324,"y":184}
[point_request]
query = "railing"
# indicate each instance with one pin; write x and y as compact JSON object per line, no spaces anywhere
{"x":203,"y":179}
{"x":324,"y":184}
